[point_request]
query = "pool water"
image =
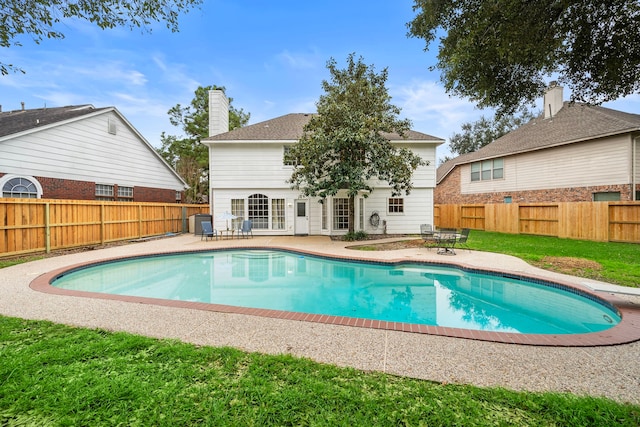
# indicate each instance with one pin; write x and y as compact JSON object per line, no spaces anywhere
{"x":409,"y":292}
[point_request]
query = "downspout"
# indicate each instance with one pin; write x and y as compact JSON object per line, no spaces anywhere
{"x":634,"y":167}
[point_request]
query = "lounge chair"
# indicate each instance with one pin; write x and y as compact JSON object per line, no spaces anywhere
{"x":246,"y":229}
{"x":208,"y":231}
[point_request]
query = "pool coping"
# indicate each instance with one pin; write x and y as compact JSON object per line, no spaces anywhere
{"x":627,"y":331}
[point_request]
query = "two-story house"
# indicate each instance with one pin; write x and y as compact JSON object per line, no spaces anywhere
{"x":249,"y":179}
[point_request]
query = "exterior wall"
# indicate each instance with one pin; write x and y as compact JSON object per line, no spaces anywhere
{"x":238,"y":170}
{"x":85,"y":151}
{"x":54,"y":188}
{"x":570,"y":173}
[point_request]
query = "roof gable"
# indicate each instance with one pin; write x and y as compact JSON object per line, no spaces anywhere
{"x":290,"y":128}
{"x":574,"y":122}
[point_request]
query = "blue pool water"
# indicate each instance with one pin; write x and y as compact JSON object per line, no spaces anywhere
{"x":409,"y":292}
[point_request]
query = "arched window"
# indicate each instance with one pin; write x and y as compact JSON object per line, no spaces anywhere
{"x":259,"y":211}
{"x":20,"y":187}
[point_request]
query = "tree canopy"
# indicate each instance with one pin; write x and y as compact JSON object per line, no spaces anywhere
{"x":346,"y":144}
{"x":484,"y":131}
{"x":41,"y":19}
{"x":501,"y":53}
{"x":185,"y":153}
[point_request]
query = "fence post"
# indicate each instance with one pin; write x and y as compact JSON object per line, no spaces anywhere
{"x":184,"y":219}
{"x":102,"y":231}
{"x":140,"y":221}
{"x":47,"y":229}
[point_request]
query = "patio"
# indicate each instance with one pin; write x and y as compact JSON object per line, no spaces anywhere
{"x":610,"y":371}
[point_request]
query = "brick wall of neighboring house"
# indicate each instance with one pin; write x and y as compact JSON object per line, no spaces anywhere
{"x":448,"y":192}
{"x":146,"y":194}
{"x":55,"y":188}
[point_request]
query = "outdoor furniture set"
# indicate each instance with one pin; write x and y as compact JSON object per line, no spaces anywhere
{"x":444,"y":239}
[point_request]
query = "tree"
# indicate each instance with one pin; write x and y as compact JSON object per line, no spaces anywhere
{"x":484,"y":131}
{"x":501,"y":53}
{"x":186,"y":154}
{"x":344,"y":145}
{"x":39,"y":19}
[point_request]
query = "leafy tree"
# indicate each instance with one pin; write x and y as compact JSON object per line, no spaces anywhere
{"x":40,"y":19}
{"x":484,"y":131}
{"x":186,"y":154}
{"x":500,"y":53}
{"x":345,"y":145}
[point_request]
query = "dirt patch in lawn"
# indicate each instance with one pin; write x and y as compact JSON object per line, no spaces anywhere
{"x":389,"y":246}
{"x":574,"y":266}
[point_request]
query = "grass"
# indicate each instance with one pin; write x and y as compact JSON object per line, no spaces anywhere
{"x":619,"y":262}
{"x":14,"y":261}
{"x":55,"y":375}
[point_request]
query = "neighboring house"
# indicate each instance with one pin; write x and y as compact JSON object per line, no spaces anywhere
{"x":83,"y":153}
{"x":573,"y":152}
{"x":249,"y":179}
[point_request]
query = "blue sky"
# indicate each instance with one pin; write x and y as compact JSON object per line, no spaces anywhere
{"x":270,"y":56}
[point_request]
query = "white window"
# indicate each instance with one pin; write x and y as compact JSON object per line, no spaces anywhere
{"x":237,"y":209}
{"x":286,"y":150}
{"x":487,"y":170}
{"x":104,"y":192}
{"x":20,"y":187}
{"x":325,"y":224}
{"x":340,"y":214}
{"x":125,"y":193}
{"x":277,"y":214}
{"x":259,"y":211}
{"x":396,"y":205}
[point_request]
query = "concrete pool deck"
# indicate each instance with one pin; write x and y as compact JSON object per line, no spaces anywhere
{"x":609,"y":371}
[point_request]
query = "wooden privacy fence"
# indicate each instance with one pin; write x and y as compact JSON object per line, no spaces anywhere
{"x":599,"y":221}
{"x":43,"y":225}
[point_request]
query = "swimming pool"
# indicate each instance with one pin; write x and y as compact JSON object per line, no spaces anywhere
{"x":413,"y":293}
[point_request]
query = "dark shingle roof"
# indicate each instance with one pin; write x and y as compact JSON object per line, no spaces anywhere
{"x":12,"y":122}
{"x":573,"y":123}
{"x":290,"y":128}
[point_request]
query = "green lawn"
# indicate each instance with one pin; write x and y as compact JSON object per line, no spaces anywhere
{"x":620,"y":262}
{"x":55,"y":375}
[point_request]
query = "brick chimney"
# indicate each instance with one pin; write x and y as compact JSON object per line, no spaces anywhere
{"x":552,"y":100}
{"x":218,"y":112}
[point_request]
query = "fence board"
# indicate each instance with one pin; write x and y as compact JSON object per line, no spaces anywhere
{"x":598,"y":221}
{"x":26,"y":228}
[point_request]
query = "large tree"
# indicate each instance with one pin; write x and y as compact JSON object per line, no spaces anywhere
{"x":185,"y":153}
{"x":477,"y":134}
{"x":43,"y":19}
{"x":502,"y":53}
{"x":346,"y":144}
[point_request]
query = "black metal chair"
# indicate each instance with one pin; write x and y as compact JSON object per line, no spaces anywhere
{"x":462,"y":240}
{"x":428,"y":235}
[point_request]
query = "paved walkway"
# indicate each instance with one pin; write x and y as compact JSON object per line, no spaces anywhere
{"x":610,"y":371}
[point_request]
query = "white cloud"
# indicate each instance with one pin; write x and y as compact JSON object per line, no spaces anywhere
{"x":298,"y":61}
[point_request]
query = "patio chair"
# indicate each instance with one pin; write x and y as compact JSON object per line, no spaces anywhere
{"x":462,"y":240}
{"x":246,"y":229}
{"x":428,"y":235}
{"x":208,"y":231}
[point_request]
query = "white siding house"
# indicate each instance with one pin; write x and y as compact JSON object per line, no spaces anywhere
{"x":249,"y":179}
{"x":80,"y":152}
